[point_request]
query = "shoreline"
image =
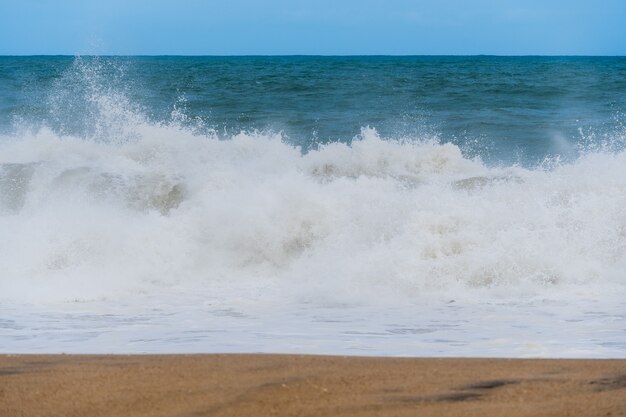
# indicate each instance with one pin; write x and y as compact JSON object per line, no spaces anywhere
{"x":305,"y":385}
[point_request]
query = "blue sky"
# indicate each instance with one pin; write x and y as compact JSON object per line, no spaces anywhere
{"x":328,"y":27}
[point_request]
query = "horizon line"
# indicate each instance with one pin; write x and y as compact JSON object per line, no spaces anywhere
{"x":310,"y":55}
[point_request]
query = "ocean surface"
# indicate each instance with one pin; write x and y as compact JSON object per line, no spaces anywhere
{"x":399,"y":206}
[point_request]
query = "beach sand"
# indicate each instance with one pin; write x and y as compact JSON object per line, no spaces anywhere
{"x":287,"y":385}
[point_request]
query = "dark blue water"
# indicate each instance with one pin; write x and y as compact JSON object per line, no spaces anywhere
{"x":502,"y":108}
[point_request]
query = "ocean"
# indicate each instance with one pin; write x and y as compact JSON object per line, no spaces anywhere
{"x":394,"y":206}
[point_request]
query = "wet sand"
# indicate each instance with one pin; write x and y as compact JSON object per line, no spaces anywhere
{"x":279,"y":385}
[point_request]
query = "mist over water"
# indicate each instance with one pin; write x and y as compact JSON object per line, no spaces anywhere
{"x":301,"y":195}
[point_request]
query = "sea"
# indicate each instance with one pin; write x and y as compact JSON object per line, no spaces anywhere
{"x":428,"y":206}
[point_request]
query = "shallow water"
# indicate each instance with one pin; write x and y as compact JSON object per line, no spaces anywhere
{"x":187,"y":324}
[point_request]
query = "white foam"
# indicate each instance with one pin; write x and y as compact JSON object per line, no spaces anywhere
{"x":91,"y":219}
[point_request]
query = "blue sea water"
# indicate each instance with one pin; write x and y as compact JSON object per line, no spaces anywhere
{"x":513,"y":109}
{"x":417,"y":206}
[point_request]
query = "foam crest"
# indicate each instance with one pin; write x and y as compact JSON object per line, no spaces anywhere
{"x":412,"y":161}
{"x":89,"y":219}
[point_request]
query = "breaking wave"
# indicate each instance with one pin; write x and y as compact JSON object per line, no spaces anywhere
{"x":134,"y":206}
{"x":82,"y":218}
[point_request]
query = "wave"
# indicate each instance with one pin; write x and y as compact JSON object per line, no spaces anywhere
{"x":85,"y":219}
{"x":106,"y":203}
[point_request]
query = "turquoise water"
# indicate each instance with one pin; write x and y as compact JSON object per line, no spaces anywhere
{"x":512,"y":109}
{"x":415,"y":206}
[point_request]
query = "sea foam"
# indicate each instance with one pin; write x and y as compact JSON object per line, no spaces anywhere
{"x":85,"y":219}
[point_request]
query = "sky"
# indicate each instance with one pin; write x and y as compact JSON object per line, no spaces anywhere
{"x":320,"y":27}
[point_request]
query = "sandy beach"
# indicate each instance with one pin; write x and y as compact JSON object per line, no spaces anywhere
{"x":280,"y":385}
